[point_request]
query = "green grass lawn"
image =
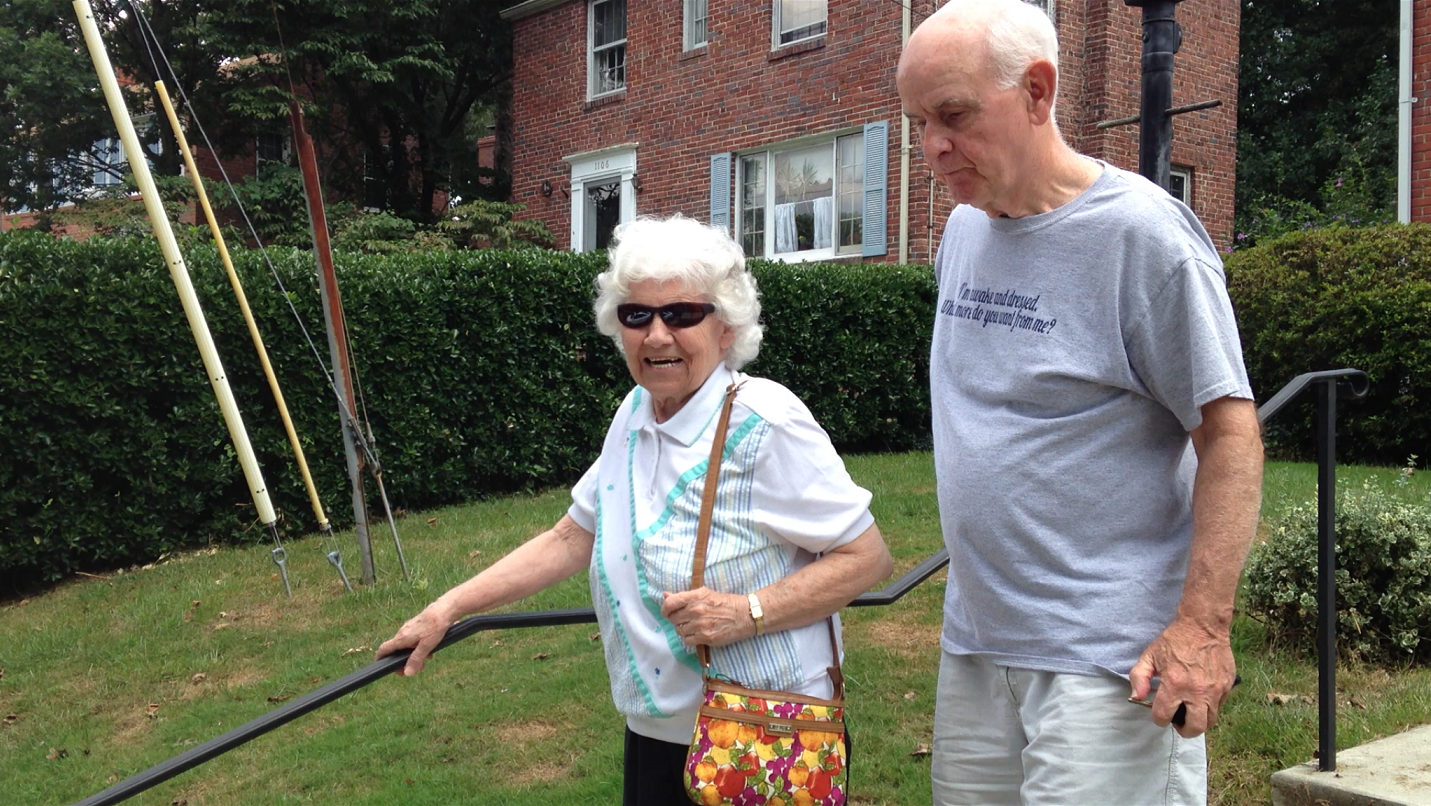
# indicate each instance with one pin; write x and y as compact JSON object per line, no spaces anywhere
{"x":106,"y":677}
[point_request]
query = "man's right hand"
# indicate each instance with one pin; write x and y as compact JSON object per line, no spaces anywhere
{"x":1197,"y":670}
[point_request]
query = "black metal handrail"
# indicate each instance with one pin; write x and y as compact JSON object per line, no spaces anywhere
{"x":376,"y":670}
{"x":1357,"y":386}
{"x":1327,"y":383}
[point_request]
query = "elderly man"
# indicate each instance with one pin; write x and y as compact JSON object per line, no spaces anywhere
{"x":1097,"y":449}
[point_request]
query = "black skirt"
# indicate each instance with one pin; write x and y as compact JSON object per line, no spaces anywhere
{"x":655,"y":772}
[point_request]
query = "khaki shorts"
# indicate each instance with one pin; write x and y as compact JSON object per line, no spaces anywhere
{"x":1014,"y":736}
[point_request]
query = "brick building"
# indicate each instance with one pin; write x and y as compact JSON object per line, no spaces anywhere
{"x":780,"y":120}
{"x":1420,"y":104}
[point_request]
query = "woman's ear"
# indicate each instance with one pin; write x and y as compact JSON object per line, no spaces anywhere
{"x":727,"y":337}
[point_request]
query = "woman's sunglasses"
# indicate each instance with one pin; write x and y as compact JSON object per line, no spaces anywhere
{"x":673,"y":315}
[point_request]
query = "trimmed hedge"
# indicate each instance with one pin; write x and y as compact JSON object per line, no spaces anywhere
{"x":1326,"y":299}
{"x":482,"y":371}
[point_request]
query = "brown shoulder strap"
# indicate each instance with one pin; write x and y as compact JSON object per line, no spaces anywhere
{"x":837,"y":677}
{"x":703,"y":529}
{"x":703,"y":533}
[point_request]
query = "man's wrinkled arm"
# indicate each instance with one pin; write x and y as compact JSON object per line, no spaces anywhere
{"x":1193,"y":656}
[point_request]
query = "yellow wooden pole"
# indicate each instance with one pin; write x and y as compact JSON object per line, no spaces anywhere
{"x":243,"y":303}
{"x":134,"y":150}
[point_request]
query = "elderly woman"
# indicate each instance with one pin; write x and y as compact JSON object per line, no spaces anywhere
{"x":792,"y":539}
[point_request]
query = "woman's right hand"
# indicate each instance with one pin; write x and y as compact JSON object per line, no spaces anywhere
{"x":550,"y":557}
{"x":422,"y":633}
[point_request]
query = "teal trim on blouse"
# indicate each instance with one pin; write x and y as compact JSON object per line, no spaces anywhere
{"x":611,"y":604}
{"x":673,"y":640}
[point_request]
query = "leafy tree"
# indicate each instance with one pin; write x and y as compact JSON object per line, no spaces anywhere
{"x":379,"y":233}
{"x":401,"y":82}
{"x":111,"y":211}
{"x":190,"y":64}
{"x":276,"y":207}
{"x":50,"y":110}
{"x":1316,"y":114}
{"x":423,"y":76}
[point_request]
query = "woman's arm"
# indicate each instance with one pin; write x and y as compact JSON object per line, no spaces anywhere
{"x":550,"y":557}
{"x":702,"y":616}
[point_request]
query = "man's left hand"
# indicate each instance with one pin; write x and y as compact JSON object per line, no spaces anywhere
{"x":1197,"y":670}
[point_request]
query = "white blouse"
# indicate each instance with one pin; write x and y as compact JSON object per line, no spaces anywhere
{"x":783,"y":497}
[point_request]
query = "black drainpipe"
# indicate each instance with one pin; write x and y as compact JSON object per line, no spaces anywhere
{"x":1162,"y":37}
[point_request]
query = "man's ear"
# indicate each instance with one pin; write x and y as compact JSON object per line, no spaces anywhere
{"x":1040,"y":87}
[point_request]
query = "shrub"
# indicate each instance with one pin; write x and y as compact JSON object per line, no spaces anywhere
{"x":1333,"y":298}
{"x":853,"y":342}
{"x":481,"y":223}
{"x":482,"y":374}
{"x":1360,"y":193}
{"x":376,"y":233}
{"x":276,"y":205}
{"x":1383,"y":577}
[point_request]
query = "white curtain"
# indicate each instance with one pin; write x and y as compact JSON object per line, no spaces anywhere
{"x":785,"y":238}
{"x":824,"y":221}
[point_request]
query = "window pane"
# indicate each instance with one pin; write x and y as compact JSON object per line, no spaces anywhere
{"x":804,"y":199}
{"x":608,"y":48}
{"x":270,"y":147}
{"x":803,"y":175}
{"x":752,"y":205}
{"x":608,"y":18}
{"x":801,"y":19}
{"x":109,"y":162}
{"x":610,"y":67}
{"x":695,"y":23}
{"x":1178,"y":184}
{"x":603,"y":214}
{"x":851,"y":155}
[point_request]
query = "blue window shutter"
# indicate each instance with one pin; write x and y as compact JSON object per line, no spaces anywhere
{"x":876,"y":192}
{"x":720,"y":192}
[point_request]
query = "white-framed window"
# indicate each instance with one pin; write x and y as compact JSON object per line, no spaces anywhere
{"x":270,"y":147}
{"x":798,"y":20}
{"x":696,"y":12}
{"x":802,"y":201}
{"x":1180,"y":182}
{"x":108,"y":160}
{"x":1045,"y":5}
{"x":603,"y":195}
{"x":606,"y":47}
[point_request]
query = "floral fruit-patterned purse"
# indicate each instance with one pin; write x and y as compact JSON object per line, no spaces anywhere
{"x":762,"y":748}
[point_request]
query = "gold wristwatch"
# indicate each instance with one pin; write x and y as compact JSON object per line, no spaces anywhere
{"x":756,"y":614}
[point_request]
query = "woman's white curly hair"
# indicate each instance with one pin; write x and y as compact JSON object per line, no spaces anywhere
{"x":683,"y":250}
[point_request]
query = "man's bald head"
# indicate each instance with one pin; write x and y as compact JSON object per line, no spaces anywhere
{"x":978,"y":80}
{"x":1015,"y":35}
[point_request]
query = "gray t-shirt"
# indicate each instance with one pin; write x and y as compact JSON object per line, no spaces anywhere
{"x":1072,"y":352}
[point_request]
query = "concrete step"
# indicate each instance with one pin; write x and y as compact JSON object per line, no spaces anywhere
{"x":1394,"y":771}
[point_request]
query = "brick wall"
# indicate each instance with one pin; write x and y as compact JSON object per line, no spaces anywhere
{"x":736,"y":94}
{"x":680,"y":108}
{"x":1421,"y":113}
{"x":1205,"y":70}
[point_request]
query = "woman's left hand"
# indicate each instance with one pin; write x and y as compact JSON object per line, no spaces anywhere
{"x":702,"y":616}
